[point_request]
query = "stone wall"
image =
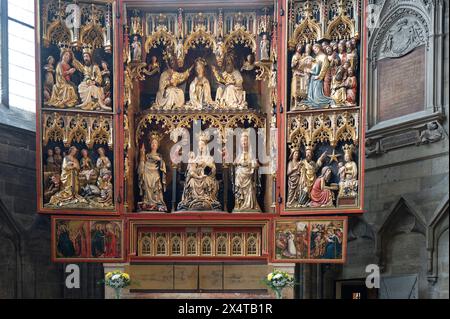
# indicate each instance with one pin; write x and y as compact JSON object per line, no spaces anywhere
{"x":405,"y":228}
{"x":25,"y":235}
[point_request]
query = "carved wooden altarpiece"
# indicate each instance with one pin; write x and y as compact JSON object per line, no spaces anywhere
{"x":186,"y":132}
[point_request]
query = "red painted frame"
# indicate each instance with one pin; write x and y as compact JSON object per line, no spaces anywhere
{"x":283,"y":82}
{"x":124,"y":240}
{"x":119,"y":212}
{"x":272,"y":248}
{"x":116,"y":115}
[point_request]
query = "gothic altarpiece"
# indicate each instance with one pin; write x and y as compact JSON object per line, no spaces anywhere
{"x":139,"y":103}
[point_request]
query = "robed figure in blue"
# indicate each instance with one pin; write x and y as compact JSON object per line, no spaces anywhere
{"x":316,"y":97}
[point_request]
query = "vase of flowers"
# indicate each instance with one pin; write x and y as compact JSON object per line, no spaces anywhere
{"x":277,"y":281}
{"x":117,"y":280}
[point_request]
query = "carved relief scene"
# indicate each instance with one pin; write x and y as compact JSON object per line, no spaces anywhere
{"x":323,"y":121}
{"x":76,"y":56}
{"x":78,"y":161}
{"x":77,"y":124}
{"x":195,"y":82}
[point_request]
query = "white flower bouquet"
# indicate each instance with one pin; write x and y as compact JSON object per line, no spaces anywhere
{"x":117,"y":280}
{"x":277,"y":281}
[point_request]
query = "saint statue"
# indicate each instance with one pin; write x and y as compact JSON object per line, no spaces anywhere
{"x":348,"y":183}
{"x":179,"y":51}
{"x":103,"y":163}
{"x":169,"y":95}
{"x":351,"y":85}
{"x":219,"y":51}
{"x":338,"y":89}
{"x":152,"y":177}
{"x":301,"y":66}
{"x":69,"y":193}
{"x":308,"y":171}
{"x":246,"y":178}
{"x":230,"y":93}
{"x":321,"y":193}
{"x":64,"y":92}
{"x":90,"y":89}
{"x":201,"y":186}
{"x":264,"y":47}
{"x":293,"y":177}
{"x":136,"y":49}
{"x":49,"y":80}
{"x":200,"y":89}
{"x":249,"y":63}
{"x":316,"y":97}
{"x":88,"y":175}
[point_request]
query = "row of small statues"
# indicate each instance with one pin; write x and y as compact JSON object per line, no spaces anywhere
{"x":201,"y":186}
{"x":230,"y":93}
{"x":94,"y":90}
{"x":324,"y":75}
{"x":308,"y":189}
{"x":74,"y":181}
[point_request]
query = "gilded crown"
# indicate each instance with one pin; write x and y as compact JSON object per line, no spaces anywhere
{"x":88,"y":49}
{"x":154,"y":135}
{"x":348,"y":148}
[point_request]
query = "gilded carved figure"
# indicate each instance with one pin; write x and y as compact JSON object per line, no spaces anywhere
{"x":136,"y":49}
{"x":200,"y":88}
{"x":70,"y":188}
{"x":301,"y":177}
{"x":201,"y":187}
{"x":301,"y":66}
{"x":348,"y":183}
{"x":49,"y":79}
{"x":152,"y":173}
{"x":246,"y":178}
{"x":264,"y":47}
{"x":64,"y":92}
{"x":90,"y":89}
{"x":230,"y":93}
{"x":169,"y":95}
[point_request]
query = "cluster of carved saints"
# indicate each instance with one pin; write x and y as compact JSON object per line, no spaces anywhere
{"x":93,"y":93}
{"x":201,"y":186}
{"x":74,"y":180}
{"x":309,"y":179}
{"x":229,"y":95}
{"x":324,"y":75}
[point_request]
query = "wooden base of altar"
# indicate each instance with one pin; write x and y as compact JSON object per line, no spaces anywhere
{"x":197,"y":281}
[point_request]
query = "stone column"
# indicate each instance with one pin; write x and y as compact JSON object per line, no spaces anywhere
{"x":288,"y":293}
{"x":109,"y":292}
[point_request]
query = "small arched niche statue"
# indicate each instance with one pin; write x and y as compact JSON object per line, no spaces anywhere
{"x":246,"y":178}
{"x":152,"y":177}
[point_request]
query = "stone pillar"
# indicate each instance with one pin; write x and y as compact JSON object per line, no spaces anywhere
{"x":109,"y":292}
{"x":288,"y":293}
